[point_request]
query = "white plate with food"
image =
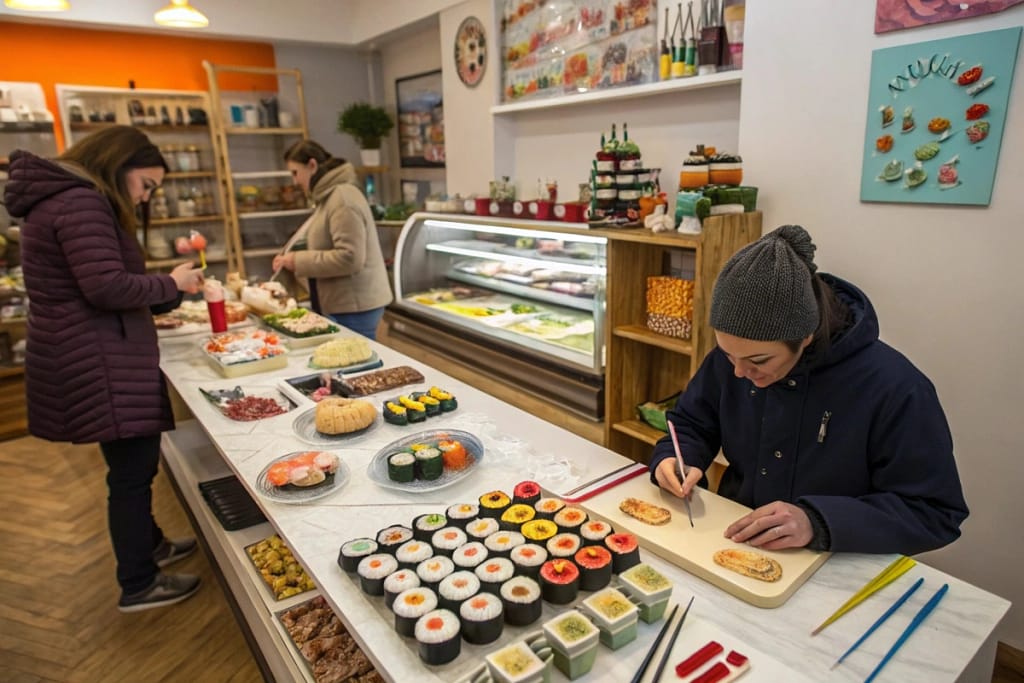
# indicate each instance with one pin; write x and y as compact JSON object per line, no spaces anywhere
{"x":302,"y":476}
{"x":305,"y":427}
{"x":458,"y":454}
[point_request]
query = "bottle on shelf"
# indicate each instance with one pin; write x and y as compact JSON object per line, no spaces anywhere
{"x":158,"y":208}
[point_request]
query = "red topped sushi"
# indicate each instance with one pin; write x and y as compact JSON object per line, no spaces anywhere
{"x":625,"y":551}
{"x":559,"y":581}
{"x":526,"y":493}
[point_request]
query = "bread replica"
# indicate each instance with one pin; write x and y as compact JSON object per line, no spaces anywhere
{"x":382,"y":380}
{"x":648,"y":513}
{"x":337,"y":415}
{"x":268,"y":297}
{"x":750,"y":563}
{"x":341,"y":352}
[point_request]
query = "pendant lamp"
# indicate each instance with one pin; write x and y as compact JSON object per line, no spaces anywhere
{"x":180,"y":14}
{"x":39,"y":5}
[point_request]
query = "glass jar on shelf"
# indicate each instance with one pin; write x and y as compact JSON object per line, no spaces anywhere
{"x":186,"y":204}
{"x":170,"y":155}
{"x":158,"y":208}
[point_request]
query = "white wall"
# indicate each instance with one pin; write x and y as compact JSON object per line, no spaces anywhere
{"x":944,"y":280}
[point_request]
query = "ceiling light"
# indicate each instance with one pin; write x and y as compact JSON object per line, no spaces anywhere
{"x":180,"y":14}
{"x":39,"y":5}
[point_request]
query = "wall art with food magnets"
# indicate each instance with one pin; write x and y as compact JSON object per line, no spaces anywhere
{"x":935,"y":120}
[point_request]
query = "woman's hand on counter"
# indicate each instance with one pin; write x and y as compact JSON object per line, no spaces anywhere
{"x":667,"y":475}
{"x":774,"y":526}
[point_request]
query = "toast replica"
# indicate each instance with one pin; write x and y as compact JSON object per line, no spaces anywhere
{"x":648,"y":513}
{"x":750,"y":563}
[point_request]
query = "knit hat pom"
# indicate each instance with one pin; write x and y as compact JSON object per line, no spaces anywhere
{"x":799,"y":241}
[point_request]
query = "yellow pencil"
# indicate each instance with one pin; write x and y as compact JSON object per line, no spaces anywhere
{"x":896,"y":569}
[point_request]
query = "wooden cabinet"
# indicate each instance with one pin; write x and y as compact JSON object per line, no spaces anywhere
{"x":643,"y":365}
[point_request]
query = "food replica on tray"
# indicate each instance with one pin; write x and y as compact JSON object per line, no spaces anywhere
{"x":192,"y":317}
{"x":237,"y":405}
{"x":321,"y":638}
{"x":303,"y":470}
{"x":428,"y":461}
{"x":418,"y":406}
{"x":279,"y":568}
{"x":710,"y":184}
{"x":301,"y":327}
{"x":620,"y":184}
{"x":245,"y":352}
{"x":341,"y":353}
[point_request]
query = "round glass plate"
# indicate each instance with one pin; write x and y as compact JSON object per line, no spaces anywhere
{"x":377,"y":470}
{"x":298,"y":494}
{"x":304,"y":427}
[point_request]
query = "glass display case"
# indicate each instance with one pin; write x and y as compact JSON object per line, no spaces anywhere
{"x":523,"y":300}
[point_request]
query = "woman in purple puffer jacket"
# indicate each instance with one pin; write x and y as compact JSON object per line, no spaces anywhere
{"x":92,"y":366}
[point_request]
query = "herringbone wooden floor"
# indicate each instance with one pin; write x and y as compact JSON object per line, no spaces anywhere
{"x":58,"y":614}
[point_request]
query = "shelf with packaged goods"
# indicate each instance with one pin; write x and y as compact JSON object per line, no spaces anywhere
{"x":92,"y":126}
{"x":644,"y":335}
{"x":677,"y":85}
{"x":179,"y":220}
{"x":258,"y":175}
{"x":248,"y":215}
{"x":186,"y":175}
{"x":241,"y":130}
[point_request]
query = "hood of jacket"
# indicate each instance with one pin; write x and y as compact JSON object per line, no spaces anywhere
{"x":33,"y":179}
{"x":342,"y":175}
{"x":860,"y":331}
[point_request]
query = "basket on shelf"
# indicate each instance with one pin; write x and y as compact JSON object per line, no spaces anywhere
{"x":670,"y":306}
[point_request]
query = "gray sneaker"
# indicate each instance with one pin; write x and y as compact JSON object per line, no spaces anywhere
{"x":167,"y":589}
{"x":171,"y":550}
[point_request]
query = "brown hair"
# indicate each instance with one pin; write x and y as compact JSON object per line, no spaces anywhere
{"x":304,"y":150}
{"x":833,"y":316}
{"x":107,"y":156}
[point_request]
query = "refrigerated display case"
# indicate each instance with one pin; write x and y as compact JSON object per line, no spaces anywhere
{"x":523,"y":301}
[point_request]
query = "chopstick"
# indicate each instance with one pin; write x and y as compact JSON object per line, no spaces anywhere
{"x":896,"y":569}
{"x":597,"y":479}
{"x":888,"y":613}
{"x":657,"y":641}
{"x":671,"y":644}
{"x":682,"y":467}
{"x":607,"y":485}
{"x":915,"y":622}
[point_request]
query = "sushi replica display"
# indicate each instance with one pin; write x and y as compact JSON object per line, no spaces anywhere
{"x":469,"y":555}
{"x":516,"y":663}
{"x":411,"y":553}
{"x":615,"y":616}
{"x":418,"y":406}
{"x":391,"y":538}
{"x":303,"y":470}
{"x":516,"y":515}
{"x":570,"y":519}
{"x":246,"y":352}
{"x":353,"y":551}
{"x":438,"y":636}
{"x":446,"y":540}
{"x":425,"y":526}
{"x":456,"y":588}
{"x":373,"y":569}
{"x":428,"y":461}
{"x":494,"y":572}
{"x":526,"y":493}
{"x":563,"y":545}
{"x":521,"y":597}
{"x":301,"y":326}
{"x":625,"y":550}
{"x":434,"y":570}
{"x":595,"y":564}
{"x":397,"y":582}
{"x":648,"y":588}
{"x":482,"y":618}
{"x":539,"y":530}
{"x":547,"y":508}
{"x":574,"y":641}
{"x":481,"y":528}
{"x":501,"y":543}
{"x":594,"y":532}
{"x":493,"y":504}
{"x":461,"y":514}
{"x":528,"y":559}
{"x":409,"y":606}
{"x":559,"y":581}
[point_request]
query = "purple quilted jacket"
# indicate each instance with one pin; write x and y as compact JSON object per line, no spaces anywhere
{"x":93,"y":365}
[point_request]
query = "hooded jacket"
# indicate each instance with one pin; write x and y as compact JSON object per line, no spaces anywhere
{"x":854,"y":433}
{"x":343,"y":250}
{"x":92,"y":365}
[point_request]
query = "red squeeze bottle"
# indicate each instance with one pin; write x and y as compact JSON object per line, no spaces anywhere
{"x":213,"y":292}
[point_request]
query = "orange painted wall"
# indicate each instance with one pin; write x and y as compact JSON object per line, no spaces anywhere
{"x":58,"y":54}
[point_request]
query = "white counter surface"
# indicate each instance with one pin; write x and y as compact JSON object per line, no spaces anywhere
{"x":955,"y":643}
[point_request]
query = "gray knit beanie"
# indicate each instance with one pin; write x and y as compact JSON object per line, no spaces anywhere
{"x":764,"y":292}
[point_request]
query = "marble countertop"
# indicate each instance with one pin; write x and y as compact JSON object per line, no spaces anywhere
{"x":955,"y":643}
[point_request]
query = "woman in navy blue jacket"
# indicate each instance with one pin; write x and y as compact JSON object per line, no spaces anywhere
{"x":833,"y":437}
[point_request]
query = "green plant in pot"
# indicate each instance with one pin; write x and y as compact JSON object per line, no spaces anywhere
{"x":368,"y":124}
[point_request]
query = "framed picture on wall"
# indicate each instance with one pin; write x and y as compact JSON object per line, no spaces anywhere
{"x":420,"y":120}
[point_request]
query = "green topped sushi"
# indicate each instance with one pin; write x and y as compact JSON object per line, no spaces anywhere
{"x":402,"y":467}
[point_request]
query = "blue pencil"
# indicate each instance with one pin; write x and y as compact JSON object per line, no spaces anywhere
{"x":918,"y":618}
{"x":888,"y":613}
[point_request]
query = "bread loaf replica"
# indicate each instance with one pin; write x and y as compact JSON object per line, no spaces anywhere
{"x":337,"y":415}
{"x":750,"y":563}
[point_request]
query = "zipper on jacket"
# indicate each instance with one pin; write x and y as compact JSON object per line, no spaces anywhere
{"x":823,"y":427}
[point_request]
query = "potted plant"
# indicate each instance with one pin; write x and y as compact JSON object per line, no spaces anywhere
{"x":367,"y":124}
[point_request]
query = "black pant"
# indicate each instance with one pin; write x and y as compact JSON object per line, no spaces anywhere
{"x":132,"y":465}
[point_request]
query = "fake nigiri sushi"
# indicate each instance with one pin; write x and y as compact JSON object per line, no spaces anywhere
{"x":304,"y":469}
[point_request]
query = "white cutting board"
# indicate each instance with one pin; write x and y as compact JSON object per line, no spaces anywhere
{"x":692,"y":548}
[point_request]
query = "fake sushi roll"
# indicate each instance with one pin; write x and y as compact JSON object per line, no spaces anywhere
{"x":469,"y":555}
{"x":429,"y":463}
{"x":516,"y":515}
{"x":402,"y":467}
{"x":547,"y":508}
{"x":430,"y":404}
{"x":373,"y":569}
{"x":494,"y":503}
{"x":353,"y":551}
{"x":481,"y":528}
{"x":395,"y":413}
{"x":559,"y":581}
{"x":594,"y":531}
{"x":483,"y":618}
{"x":456,"y":588}
{"x":409,"y":606}
{"x":454,"y":454}
{"x":494,"y":572}
{"x":561,"y":545}
{"x":570,"y":519}
{"x":397,"y":582}
{"x":438,"y":635}
{"x":434,"y":570}
{"x":501,"y":543}
{"x":520,"y":596}
{"x":539,"y":530}
{"x":625,"y":551}
{"x":425,"y":526}
{"x":595,"y":565}
{"x":447,"y":401}
{"x":526,"y":493}
{"x":391,"y":538}
{"x":411,"y":553}
{"x":414,"y":410}
{"x":528,"y":559}
{"x":462,"y":514}
{"x":446,"y":540}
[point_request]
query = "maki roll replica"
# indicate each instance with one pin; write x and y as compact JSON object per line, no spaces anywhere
{"x":434,"y":570}
{"x":447,"y":401}
{"x":594,"y":532}
{"x":373,"y":569}
{"x":573,"y":640}
{"x":625,"y":551}
{"x":595,"y":563}
{"x":614,"y":615}
{"x":414,"y":410}
{"x":547,"y":507}
{"x":430,"y":404}
{"x":397,"y":582}
{"x":411,"y":553}
{"x":559,"y":581}
{"x":353,"y":551}
{"x":570,"y":519}
{"x":482,"y":619}
{"x":649,"y":588}
{"x":395,"y":413}
{"x":456,"y":588}
{"x":446,"y":540}
{"x":563,"y":545}
{"x":402,"y":467}
{"x":526,"y":493}
{"x":454,"y":455}
{"x":493,"y":573}
{"x":461,"y":514}
{"x":494,"y":503}
{"x":501,"y":543}
{"x":521,"y":597}
{"x":429,"y":463}
{"x":516,"y":516}
{"x":391,"y":538}
{"x":539,"y":530}
{"x":418,"y":406}
{"x":425,"y":526}
{"x":528,"y":559}
{"x":437,"y":633}
{"x":409,"y":606}
{"x":469,"y":555}
{"x":479,"y":529}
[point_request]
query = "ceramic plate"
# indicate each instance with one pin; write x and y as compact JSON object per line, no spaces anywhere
{"x":221,"y":397}
{"x":377,"y":470}
{"x":296,"y":494}
{"x":305,"y":428}
{"x":373,"y":361}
